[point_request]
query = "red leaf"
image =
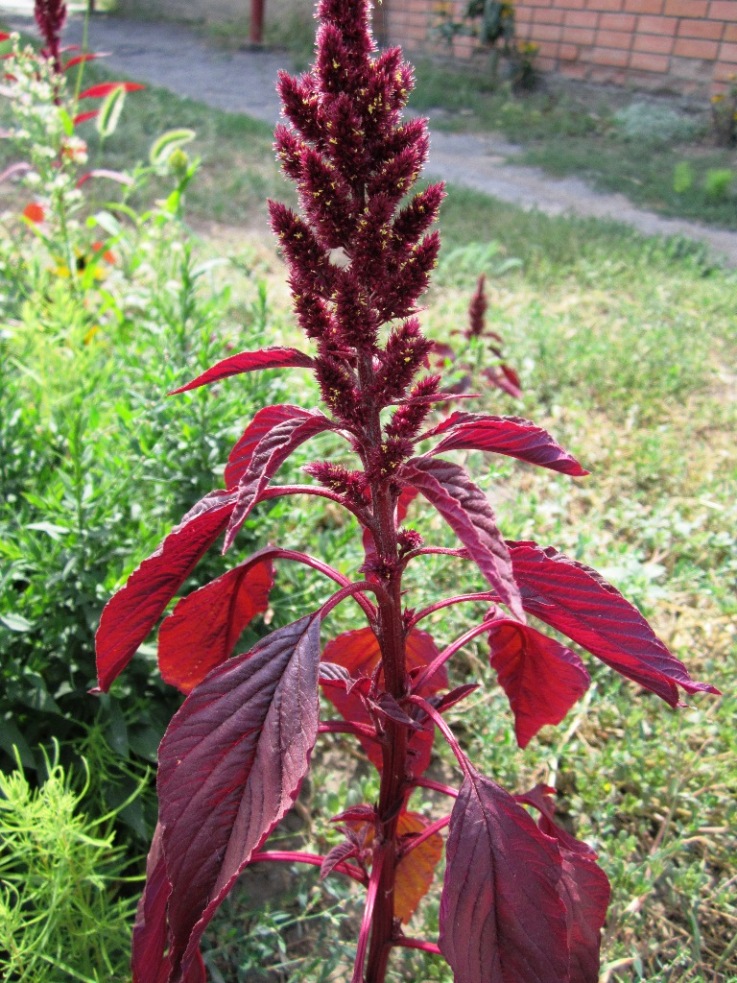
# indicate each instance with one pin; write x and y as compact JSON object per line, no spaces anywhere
{"x":230,"y":766}
{"x":83,"y":117}
{"x":508,"y":435}
{"x":262,"y":424}
{"x":105,"y":88}
{"x":204,"y":627}
{"x":501,"y":918}
{"x":584,"y":890}
{"x":271,"y":452}
{"x":80,"y":59}
{"x":505,"y":378}
{"x":358,"y":652}
{"x":265,"y":358}
{"x":150,"y":933}
{"x":576,"y":601}
{"x":130,"y":614}
{"x":467,"y":511}
{"x":541,"y":678}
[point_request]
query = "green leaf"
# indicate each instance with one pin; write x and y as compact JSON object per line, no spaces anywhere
{"x":66,"y":121}
{"x":107,"y":119}
{"x":15,"y":622}
{"x":162,"y":148}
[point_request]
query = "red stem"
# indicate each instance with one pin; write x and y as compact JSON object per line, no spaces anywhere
{"x":436,"y":786}
{"x":314,"y":859}
{"x":448,"y":601}
{"x":344,"y":727}
{"x":449,"y":652}
{"x":417,"y":944}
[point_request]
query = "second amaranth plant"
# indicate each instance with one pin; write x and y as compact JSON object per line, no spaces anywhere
{"x":522,"y":900}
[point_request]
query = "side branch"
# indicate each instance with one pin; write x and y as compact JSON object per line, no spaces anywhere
{"x":314,"y":859}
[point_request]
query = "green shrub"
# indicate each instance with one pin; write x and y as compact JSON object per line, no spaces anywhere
{"x":64,"y":910}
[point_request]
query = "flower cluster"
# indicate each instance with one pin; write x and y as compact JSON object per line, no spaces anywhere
{"x":360,"y":256}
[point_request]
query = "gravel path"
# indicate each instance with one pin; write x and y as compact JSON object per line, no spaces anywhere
{"x":178,"y":58}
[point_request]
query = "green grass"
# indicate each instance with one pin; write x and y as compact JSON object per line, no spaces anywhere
{"x":615,"y":141}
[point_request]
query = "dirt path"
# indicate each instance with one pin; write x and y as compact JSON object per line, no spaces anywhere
{"x":178,"y":58}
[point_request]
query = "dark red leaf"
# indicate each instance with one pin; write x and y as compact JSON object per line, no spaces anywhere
{"x":230,"y":766}
{"x":505,"y":378}
{"x":576,"y":601}
{"x":501,"y":917}
{"x":150,"y":930}
{"x":345,"y":850}
{"x":130,"y":614}
{"x":584,"y":890}
{"x":270,"y":453}
{"x":204,"y":627}
{"x":508,"y":435}
{"x":265,"y":358}
{"x":467,"y":511}
{"x":105,"y":88}
{"x":541,"y":678}
{"x":262,"y":424}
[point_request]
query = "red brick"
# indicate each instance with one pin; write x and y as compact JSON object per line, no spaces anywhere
{"x":657,"y":25}
{"x":568,"y":52}
{"x":582,"y":18}
{"x":728,"y":52}
{"x":539,"y":3}
{"x":644,"y":6}
{"x":605,"y":4}
{"x":722,"y":10}
{"x":609,"y":56}
{"x":694,"y":48}
{"x":710,"y":29}
{"x":614,"y":39}
{"x":653,"y":44}
{"x":617,"y":22}
{"x":547,"y":32}
{"x":578,"y":35}
{"x":649,"y":63}
{"x":687,"y":8}
{"x":551,"y":16}
{"x":730,"y":32}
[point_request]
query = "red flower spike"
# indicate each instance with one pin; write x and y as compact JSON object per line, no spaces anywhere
{"x":477,"y":310}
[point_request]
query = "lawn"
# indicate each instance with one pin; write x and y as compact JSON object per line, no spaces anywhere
{"x":625,"y":348}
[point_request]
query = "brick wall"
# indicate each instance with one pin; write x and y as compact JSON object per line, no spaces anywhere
{"x":687,"y":47}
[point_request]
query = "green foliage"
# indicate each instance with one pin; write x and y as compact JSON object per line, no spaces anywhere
{"x":683,"y":177}
{"x":65,"y":905}
{"x":718,"y":183}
